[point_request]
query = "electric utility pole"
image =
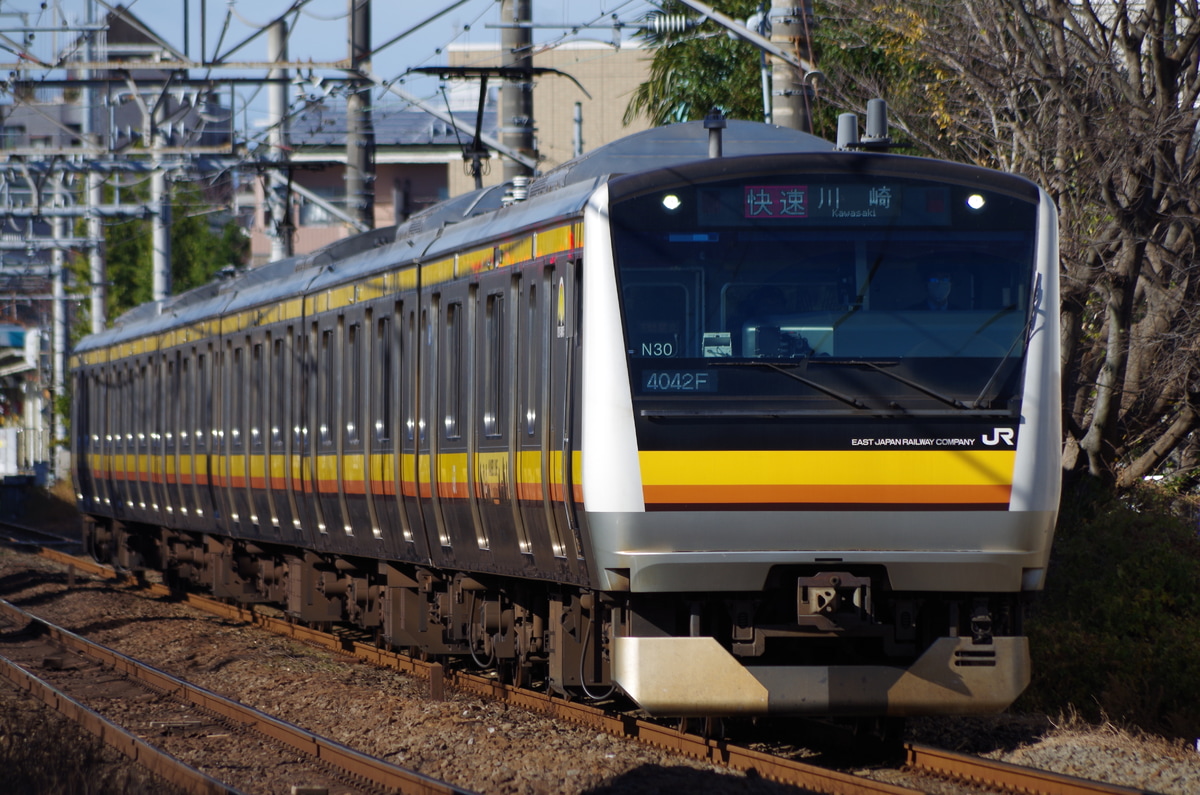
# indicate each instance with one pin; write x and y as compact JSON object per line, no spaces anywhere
{"x":516,"y":95}
{"x":360,"y":132}
{"x":791,"y":106}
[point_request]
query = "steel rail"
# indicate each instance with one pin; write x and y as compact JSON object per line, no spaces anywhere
{"x":1006,"y":776}
{"x":335,"y":754}
{"x":717,"y":752}
{"x":142,"y":753}
{"x":921,"y":759}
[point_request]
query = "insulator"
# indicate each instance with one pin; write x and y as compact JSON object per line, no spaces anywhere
{"x":669,"y":23}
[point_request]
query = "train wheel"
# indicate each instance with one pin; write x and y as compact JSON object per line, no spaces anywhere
{"x":709,"y":728}
{"x":881,"y":737}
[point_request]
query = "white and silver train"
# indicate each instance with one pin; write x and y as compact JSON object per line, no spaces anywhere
{"x":775,"y":432}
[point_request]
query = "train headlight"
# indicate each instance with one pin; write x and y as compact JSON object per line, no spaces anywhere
{"x":671,"y":202}
{"x":976,"y":201}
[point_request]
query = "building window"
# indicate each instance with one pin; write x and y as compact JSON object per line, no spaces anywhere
{"x":313,"y":214}
{"x":12,"y":136}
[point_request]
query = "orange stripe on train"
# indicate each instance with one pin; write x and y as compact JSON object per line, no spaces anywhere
{"x":826,"y":494}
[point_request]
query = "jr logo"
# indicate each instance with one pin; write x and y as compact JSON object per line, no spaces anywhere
{"x":999,"y":435}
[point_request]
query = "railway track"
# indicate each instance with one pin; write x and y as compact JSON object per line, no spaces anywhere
{"x":969,"y":770}
{"x":86,"y":681}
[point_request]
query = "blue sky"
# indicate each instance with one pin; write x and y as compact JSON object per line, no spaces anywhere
{"x":320,"y":31}
{"x":321,"y":27}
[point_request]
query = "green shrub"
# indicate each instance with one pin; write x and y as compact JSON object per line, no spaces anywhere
{"x":1116,"y":635}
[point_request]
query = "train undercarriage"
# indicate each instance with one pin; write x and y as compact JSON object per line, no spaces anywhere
{"x":565,"y":637}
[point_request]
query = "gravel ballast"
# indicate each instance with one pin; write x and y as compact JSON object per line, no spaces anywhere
{"x":492,"y":748}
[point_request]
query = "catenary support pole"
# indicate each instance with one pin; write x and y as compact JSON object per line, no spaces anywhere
{"x":277,"y":194}
{"x":360,"y":132}
{"x":516,"y":96}
{"x":791,"y":104}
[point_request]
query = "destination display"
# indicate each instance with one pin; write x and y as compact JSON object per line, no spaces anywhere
{"x":882,"y":202}
{"x":799,"y":201}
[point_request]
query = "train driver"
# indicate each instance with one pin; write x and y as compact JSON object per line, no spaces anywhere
{"x":938,"y":285}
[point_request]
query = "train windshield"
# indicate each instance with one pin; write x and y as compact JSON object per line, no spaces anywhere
{"x":906,"y":279}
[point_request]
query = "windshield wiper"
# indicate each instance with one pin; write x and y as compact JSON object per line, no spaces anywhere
{"x":849,"y":400}
{"x":933,"y":393}
{"x":1022,"y":336}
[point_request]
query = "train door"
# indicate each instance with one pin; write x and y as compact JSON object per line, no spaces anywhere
{"x":495,"y":420}
{"x":295,"y":427}
{"x":137,"y":440}
{"x":112,"y":434}
{"x":563,"y":390}
{"x":148,"y":447}
{"x":328,"y":411}
{"x":204,"y":438}
{"x":185,"y":467}
{"x":451,"y":469}
{"x":133,"y":424}
{"x":157,"y":412}
{"x":382,"y":431}
{"x":412,"y":448}
{"x":80,"y":418}
{"x":221,"y":455}
{"x":120,"y":408}
{"x":305,"y":453}
{"x":114,"y":471}
{"x":279,"y":470}
{"x":101,"y":436}
{"x":103,"y":387}
{"x":356,"y":497}
{"x":142,"y":431}
{"x":260,"y":461}
{"x":237,"y":452}
{"x":533,"y":370}
{"x":547,"y":507}
{"x":169,"y":485}
{"x":193,"y":439}
{"x":429,"y":441}
{"x":107,"y":397}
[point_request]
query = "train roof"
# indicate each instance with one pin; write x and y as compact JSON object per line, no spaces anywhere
{"x":456,"y":223}
{"x":662,"y":147}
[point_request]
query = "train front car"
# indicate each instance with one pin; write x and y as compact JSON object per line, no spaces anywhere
{"x":820,"y":435}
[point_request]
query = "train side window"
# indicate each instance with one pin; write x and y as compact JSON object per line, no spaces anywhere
{"x":493,"y":364}
{"x":329,"y":380}
{"x":453,"y":360}
{"x":204,"y":403}
{"x":133,"y":412}
{"x":120,"y":407}
{"x":185,"y":402}
{"x":115,"y":410}
{"x":383,"y":413}
{"x":299,"y":404}
{"x":237,"y":408}
{"x":143,"y":412}
{"x":258,"y":385}
{"x":279,"y":378}
{"x":103,"y":402}
{"x":129,"y":406}
{"x":172,"y":385}
{"x":353,"y":383}
{"x":103,"y":386}
{"x":220,"y":395}
{"x":415,"y":421}
{"x":533,"y":339}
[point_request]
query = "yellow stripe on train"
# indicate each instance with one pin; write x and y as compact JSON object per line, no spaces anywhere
{"x":842,"y":468}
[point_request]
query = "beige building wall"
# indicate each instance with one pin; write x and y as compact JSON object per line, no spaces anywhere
{"x":418,"y":177}
{"x":608,"y":74}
